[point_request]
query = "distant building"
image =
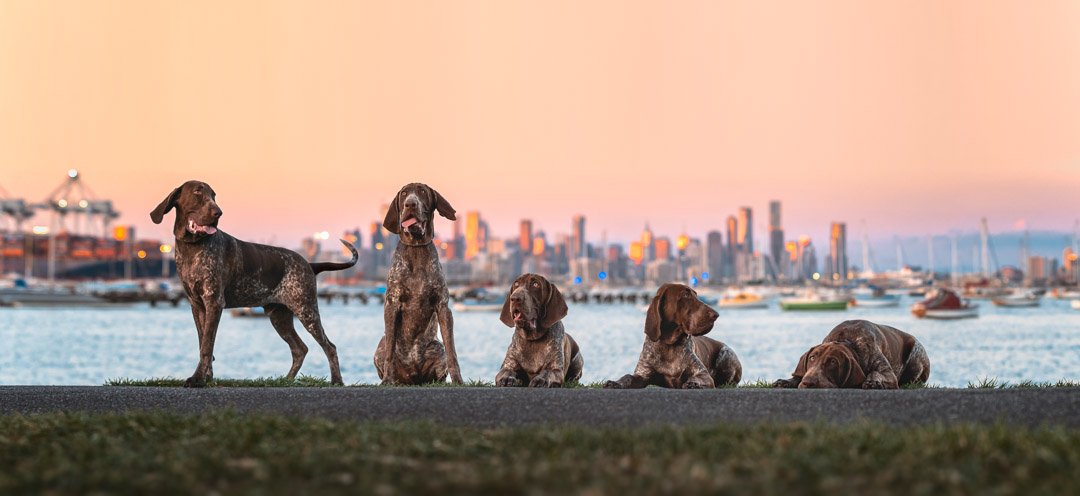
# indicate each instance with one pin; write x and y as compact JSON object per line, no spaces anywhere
{"x":776,"y":239}
{"x":577,"y":238}
{"x":663,"y":248}
{"x":475,"y":235}
{"x":746,"y":230}
{"x":838,"y":263}
{"x":732,"y":248}
{"x":714,"y":255}
{"x":525,"y":236}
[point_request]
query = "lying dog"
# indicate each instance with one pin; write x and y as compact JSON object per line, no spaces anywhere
{"x":861,"y":354}
{"x":416,"y":295}
{"x":219,"y":271}
{"x":675,"y":355}
{"x":541,"y":353}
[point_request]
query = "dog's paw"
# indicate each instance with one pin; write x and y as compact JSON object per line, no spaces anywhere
{"x":873,"y":384}
{"x":541,"y":382}
{"x":693,"y":385}
{"x":785,"y":383}
{"x":195,"y":382}
{"x":507,"y":382}
{"x":612,"y":385}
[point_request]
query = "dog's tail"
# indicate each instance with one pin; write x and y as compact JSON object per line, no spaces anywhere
{"x":325,"y":266}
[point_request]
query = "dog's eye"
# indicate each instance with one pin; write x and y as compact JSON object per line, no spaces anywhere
{"x":198,"y":192}
{"x":811,"y":358}
{"x":535,"y":284}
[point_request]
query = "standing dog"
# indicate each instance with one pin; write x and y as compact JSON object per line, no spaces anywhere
{"x":416,"y":295}
{"x":675,"y":354}
{"x":219,"y":271}
{"x":541,"y":353}
{"x":861,"y":354}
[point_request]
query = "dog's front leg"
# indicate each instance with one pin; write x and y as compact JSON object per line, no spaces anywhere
{"x":211,"y":317}
{"x":446,"y":326}
{"x":392,"y":321}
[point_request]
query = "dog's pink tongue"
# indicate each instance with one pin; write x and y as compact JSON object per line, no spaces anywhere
{"x":408,"y":222}
{"x":209,"y":230}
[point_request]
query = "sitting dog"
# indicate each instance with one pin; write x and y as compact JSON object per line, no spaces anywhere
{"x":219,"y":271}
{"x":675,"y":354}
{"x":416,"y":295}
{"x":541,"y":353}
{"x":861,"y":354}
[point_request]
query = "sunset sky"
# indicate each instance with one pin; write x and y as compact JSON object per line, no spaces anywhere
{"x":911,"y":116}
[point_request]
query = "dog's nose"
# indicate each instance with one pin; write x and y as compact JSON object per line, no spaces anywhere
{"x":808,"y":384}
{"x":516,"y":298}
{"x":712,"y":314}
{"x":216,"y":212}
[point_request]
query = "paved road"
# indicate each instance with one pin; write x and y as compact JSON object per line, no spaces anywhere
{"x":487,"y":407}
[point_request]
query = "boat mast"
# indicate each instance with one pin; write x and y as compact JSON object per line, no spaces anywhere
{"x":899,"y":254}
{"x":866,"y":250}
{"x":984,"y":237}
{"x":930,"y":250}
{"x":955,"y":261}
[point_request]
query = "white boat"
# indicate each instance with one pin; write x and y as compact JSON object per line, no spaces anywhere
{"x":815,"y":301}
{"x":878,"y":298}
{"x":477,"y":306}
{"x":1060,"y":294}
{"x":743,"y":301}
{"x":1018,"y":301}
{"x":945,"y":304}
{"x":1076,"y":304}
{"x":20,"y":294}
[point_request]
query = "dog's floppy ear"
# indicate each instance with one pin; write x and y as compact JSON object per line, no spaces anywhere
{"x":505,"y":316}
{"x":804,"y":362}
{"x":392,"y":221}
{"x":443,"y":206}
{"x":653,"y":318}
{"x":167,"y":204}
{"x":555,"y":307}
{"x":854,"y":377}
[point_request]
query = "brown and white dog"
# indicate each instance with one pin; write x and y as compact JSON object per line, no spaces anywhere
{"x":861,"y":354}
{"x":219,"y":271}
{"x":541,"y":353}
{"x":416,"y":295}
{"x":675,"y":354}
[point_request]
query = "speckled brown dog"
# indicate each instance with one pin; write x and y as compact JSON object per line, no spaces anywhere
{"x":541,"y":353}
{"x":219,"y":271}
{"x":861,"y":354}
{"x":675,"y":354}
{"x":416,"y":295}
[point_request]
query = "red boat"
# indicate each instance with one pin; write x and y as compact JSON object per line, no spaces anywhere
{"x":944,"y":303}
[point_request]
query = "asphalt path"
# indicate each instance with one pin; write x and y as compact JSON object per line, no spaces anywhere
{"x":495,"y":407}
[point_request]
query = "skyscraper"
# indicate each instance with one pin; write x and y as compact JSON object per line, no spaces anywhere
{"x":746,"y":229}
{"x":732,"y":248}
{"x":474,"y":236}
{"x":525,"y":236}
{"x":776,"y":237}
{"x":838,"y":251}
{"x":714,"y":254}
{"x":577,"y":238}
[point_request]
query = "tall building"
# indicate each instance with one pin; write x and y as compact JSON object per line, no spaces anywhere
{"x":648,"y":248}
{"x":475,"y":235}
{"x":577,"y":238}
{"x":525,"y":236}
{"x":732,"y":248}
{"x":663,"y":248}
{"x":838,"y":264}
{"x":776,"y":237}
{"x":746,"y":229}
{"x":714,"y":255}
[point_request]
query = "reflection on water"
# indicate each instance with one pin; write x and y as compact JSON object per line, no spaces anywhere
{"x":89,"y":346}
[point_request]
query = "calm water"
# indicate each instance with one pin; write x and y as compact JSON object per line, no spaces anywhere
{"x":90,"y":346}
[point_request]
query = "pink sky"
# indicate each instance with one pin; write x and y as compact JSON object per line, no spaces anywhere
{"x":913,"y":116}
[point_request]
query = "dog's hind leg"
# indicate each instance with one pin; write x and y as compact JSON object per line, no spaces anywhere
{"x":282,"y":319}
{"x":309,"y":317}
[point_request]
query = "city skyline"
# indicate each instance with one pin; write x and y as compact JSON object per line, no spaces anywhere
{"x":673,"y":115}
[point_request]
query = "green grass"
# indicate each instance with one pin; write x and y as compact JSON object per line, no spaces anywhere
{"x":280,"y":381}
{"x":228,"y":453}
{"x":309,"y":381}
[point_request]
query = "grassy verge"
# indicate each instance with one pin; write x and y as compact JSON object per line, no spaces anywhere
{"x":309,"y":381}
{"x":225,"y":453}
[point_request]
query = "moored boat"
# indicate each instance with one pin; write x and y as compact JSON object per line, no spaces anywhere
{"x":944,"y":304}
{"x":743,"y":301}
{"x":876,"y":299}
{"x":1018,"y":301}
{"x":814,"y":302}
{"x":477,"y":306}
